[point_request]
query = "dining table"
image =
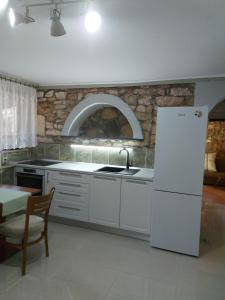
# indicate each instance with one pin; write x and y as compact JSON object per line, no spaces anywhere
{"x":13,"y":199}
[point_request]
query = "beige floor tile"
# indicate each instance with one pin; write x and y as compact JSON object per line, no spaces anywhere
{"x":89,"y":265}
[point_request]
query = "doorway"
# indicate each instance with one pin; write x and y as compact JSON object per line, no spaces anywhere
{"x":213,"y":212}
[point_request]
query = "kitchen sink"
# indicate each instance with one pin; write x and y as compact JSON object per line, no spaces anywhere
{"x":110,"y":170}
{"x":129,"y":171}
{"x":118,"y":170}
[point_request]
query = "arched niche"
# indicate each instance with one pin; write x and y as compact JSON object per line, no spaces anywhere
{"x":218,"y":111}
{"x":93,"y":103}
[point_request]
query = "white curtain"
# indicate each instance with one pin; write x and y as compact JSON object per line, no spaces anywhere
{"x":18,"y":111}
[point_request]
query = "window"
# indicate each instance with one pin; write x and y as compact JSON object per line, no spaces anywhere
{"x":17,"y":115}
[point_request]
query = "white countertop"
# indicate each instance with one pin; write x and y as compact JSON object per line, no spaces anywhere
{"x":144,"y":173}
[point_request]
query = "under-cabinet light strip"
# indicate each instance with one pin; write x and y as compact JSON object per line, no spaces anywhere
{"x":101,"y":147}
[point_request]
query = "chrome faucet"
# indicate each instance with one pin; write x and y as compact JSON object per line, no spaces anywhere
{"x":128,"y":164}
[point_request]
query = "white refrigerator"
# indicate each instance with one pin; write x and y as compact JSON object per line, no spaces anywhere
{"x":178,"y":180}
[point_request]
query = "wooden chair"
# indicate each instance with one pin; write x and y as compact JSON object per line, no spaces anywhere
{"x":28,"y":229}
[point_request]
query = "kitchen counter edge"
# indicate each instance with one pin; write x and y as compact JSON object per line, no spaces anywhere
{"x":90,"y":168}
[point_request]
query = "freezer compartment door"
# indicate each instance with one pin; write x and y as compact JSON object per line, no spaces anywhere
{"x":180,"y":148}
{"x":175,"y":222}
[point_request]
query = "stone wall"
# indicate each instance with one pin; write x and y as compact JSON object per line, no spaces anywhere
{"x":216,"y":137}
{"x":54,"y":107}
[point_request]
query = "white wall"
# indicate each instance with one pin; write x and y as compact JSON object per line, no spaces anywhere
{"x":209,"y":92}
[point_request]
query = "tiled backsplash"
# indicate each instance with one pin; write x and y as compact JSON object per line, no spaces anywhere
{"x":7,"y":172}
{"x":141,"y":157}
{"x":16,"y":155}
{"x":6,"y":175}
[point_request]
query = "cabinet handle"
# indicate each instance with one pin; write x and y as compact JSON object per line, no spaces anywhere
{"x":47,"y":177}
{"x":136,"y":181}
{"x":70,"y":184}
{"x":105,"y":178}
{"x":64,"y":193}
{"x":70,"y":174}
{"x":69,"y":208}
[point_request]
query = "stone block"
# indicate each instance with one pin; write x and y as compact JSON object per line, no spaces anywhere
{"x":40,"y":94}
{"x":41,"y":99}
{"x":109,"y":114}
{"x":80,"y":96}
{"x":145,"y":100}
{"x":126,"y":131}
{"x":154,"y":129}
{"x":139,"y":92}
{"x":141,"y":108}
{"x":49,"y":94}
{"x":141,"y":116}
{"x":113,"y":92}
{"x":169,"y":101}
{"x":155,"y":91}
{"x":180,"y":91}
{"x":54,"y":132}
{"x":40,"y":125}
{"x":60,"y":95}
{"x":130,"y":99}
{"x":146,"y":125}
{"x":149,"y":109}
{"x":60,"y":106}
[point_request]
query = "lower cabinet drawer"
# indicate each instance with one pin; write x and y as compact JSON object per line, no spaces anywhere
{"x":71,"y":197}
{"x":75,"y":187}
{"x":70,"y":210}
{"x":71,"y":177}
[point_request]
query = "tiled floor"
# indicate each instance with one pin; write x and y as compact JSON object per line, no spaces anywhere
{"x":91,"y":265}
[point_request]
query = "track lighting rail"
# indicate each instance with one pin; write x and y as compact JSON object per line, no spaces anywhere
{"x":92,"y":18}
{"x":52,"y":3}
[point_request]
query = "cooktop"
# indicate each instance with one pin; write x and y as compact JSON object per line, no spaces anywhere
{"x":39,"y":162}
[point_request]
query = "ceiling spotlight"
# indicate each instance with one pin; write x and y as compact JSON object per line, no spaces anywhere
{"x":17,"y":18}
{"x":93,"y":21}
{"x":12,"y":17}
{"x":3,"y":4}
{"x":57,"y":28}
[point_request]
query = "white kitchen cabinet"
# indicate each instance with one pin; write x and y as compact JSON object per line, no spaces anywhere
{"x":72,"y":194}
{"x":105,"y":200}
{"x":135,"y":205}
{"x":48,"y":181}
{"x":101,"y":199}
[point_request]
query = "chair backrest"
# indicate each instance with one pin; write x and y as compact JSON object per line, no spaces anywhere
{"x":38,"y":205}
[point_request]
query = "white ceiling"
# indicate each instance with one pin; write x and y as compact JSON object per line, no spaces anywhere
{"x":139,"y":41}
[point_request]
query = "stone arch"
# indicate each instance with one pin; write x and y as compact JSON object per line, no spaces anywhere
{"x":218,"y":111}
{"x":93,"y":103}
